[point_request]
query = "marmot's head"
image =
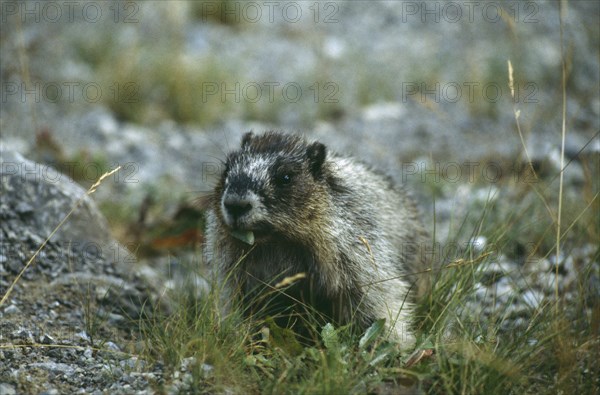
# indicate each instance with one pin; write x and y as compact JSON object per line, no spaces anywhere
{"x":272,"y":187}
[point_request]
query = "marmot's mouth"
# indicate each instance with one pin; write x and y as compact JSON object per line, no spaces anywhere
{"x":257,"y":232}
{"x":256,"y":227}
{"x":250,"y":237}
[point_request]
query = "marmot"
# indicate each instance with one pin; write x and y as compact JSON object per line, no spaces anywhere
{"x":342,"y":235}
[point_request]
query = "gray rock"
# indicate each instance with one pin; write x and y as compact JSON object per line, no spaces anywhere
{"x":61,"y":368}
{"x":35,"y":199}
{"x":47,"y":339}
{"x":11,"y":309}
{"x":7,"y":389}
{"x":40,"y":190}
{"x":83,"y":336}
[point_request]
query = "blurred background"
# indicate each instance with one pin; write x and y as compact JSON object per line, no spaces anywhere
{"x":420,"y":89}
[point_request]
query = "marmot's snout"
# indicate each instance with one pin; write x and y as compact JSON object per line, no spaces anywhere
{"x":237,"y":206}
{"x":239,"y":209}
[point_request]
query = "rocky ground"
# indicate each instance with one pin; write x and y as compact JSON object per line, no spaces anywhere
{"x":69,"y":324}
{"x":66,"y":325}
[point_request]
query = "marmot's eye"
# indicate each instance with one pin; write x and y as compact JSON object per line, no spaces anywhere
{"x":283,"y":179}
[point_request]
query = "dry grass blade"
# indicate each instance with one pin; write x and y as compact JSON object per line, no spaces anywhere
{"x":418,"y":356}
{"x":517,"y":113}
{"x":562,"y":15}
{"x":290,"y":280}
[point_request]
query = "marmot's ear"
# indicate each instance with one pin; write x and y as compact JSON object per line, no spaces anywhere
{"x":316,"y":153}
{"x":246,"y":139}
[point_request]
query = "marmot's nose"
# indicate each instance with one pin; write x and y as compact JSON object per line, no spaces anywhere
{"x":237,"y":206}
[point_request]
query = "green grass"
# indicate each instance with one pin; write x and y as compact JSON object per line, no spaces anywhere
{"x":247,"y":358}
{"x":555,"y":351}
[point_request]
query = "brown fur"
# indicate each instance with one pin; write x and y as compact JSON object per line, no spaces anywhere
{"x":355,"y":236}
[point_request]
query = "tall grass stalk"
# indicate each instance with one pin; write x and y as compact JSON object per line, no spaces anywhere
{"x":562,"y":16}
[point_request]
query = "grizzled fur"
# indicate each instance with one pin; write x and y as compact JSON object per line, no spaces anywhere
{"x":354,"y":235}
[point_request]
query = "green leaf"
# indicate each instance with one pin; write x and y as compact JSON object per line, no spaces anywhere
{"x":284,"y":338}
{"x":382,"y":354}
{"x":330,"y":337}
{"x":371,"y":334}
